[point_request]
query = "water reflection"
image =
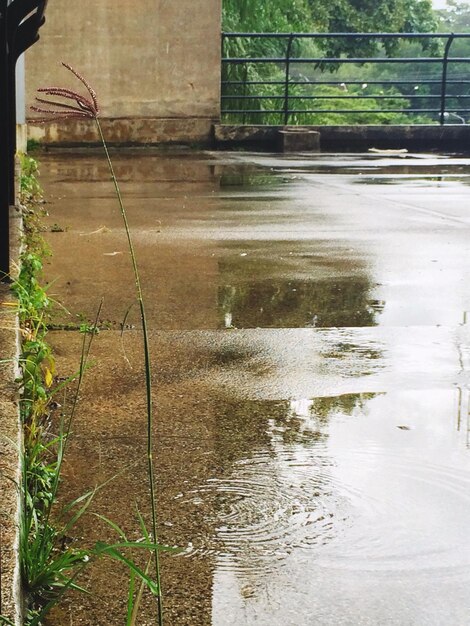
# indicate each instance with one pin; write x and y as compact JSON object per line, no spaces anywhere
{"x":463,"y":410}
{"x":246,"y":177}
{"x":298,"y":303}
{"x":132,"y":166}
{"x":345,"y":509}
{"x":336,"y":492}
{"x":411,"y":180}
{"x":275,"y":490}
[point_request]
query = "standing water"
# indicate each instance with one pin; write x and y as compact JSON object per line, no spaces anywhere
{"x":311,"y":360}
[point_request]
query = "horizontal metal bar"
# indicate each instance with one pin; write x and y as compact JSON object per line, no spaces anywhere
{"x":347,"y":35}
{"x":296,"y":111}
{"x":347,"y":82}
{"x":301,"y":60}
{"x":351,"y":97}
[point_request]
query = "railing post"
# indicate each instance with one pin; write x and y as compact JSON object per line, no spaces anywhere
{"x":4,"y":147}
{"x":445,"y":61}
{"x":223,"y":70}
{"x":287,"y":78}
{"x":245,"y":89}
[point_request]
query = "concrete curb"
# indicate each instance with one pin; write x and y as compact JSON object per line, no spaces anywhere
{"x":10,"y":440}
{"x":448,"y":138}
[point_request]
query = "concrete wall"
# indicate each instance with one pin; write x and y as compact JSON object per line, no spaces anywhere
{"x":155,"y":64}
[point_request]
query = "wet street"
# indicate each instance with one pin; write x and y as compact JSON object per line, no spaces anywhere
{"x":310,"y":338}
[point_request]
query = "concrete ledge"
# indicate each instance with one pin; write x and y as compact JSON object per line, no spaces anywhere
{"x":298,"y":139}
{"x":123,"y":131}
{"x":449,"y":138}
{"x":10,"y":443}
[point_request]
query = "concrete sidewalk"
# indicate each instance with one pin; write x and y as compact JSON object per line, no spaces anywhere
{"x":310,"y":361}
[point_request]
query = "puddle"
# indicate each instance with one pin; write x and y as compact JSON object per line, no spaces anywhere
{"x":278,"y":496}
{"x":410,"y":180}
{"x":298,"y":304}
{"x":342,"y":497}
{"x":310,"y":339}
{"x":236,"y":178}
{"x":305,"y":249}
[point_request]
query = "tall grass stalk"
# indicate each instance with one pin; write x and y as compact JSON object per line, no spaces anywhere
{"x":65,"y":103}
{"x":148,"y":371}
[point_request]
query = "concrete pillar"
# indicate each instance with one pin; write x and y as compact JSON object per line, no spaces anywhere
{"x":155,"y":65}
{"x":21,"y":134}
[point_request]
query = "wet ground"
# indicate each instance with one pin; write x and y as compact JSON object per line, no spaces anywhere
{"x":311,"y":358}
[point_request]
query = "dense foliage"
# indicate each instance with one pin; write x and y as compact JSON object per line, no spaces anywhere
{"x":456,"y":17}
{"x":380,"y":84}
{"x":329,"y":16}
{"x":258,"y":16}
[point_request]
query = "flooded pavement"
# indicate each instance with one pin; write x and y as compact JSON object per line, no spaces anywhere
{"x":311,"y":361}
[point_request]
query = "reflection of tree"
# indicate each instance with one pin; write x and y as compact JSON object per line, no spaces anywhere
{"x":308,"y":419}
{"x":273,"y":488}
{"x":247,"y":176}
{"x":245,"y":426}
{"x":339,"y":302}
{"x":342,"y":349}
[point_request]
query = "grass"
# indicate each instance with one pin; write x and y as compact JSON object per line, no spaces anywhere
{"x":44,"y":569}
{"x":49,"y":566}
{"x":49,"y":569}
{"x":148,"y":374}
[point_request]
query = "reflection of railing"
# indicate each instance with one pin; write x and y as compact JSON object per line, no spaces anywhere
{"x":463,"y":403}
{"x":290,"y":96}
{"x":20,"y":21}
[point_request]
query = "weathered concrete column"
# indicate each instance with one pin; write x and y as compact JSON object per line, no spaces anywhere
{"x":155,"y":65}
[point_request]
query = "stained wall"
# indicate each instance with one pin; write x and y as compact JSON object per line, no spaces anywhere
{"x":155,"y":65}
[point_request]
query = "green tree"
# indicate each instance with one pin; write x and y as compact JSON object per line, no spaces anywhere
{"x":373,"y":15}
{"x":331,"y":16}
{"x":260,"y":16}
{"x":455,"y":17}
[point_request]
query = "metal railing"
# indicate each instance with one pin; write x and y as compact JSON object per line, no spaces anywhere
{"x":296,"y":87}
{"x":20,"y":21}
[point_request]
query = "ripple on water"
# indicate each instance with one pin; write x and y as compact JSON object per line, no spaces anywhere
{"x":360,"y":495}
{"x":271,"y":504}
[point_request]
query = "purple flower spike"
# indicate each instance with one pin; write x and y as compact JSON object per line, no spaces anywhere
{"x":74,"y":105}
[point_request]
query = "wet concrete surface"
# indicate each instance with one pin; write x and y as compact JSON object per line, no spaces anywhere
{"x":311,"y":351}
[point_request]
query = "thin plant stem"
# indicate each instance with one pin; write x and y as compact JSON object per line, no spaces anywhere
{"x":65,"y":435}
{"x":147,"y":371}
{"x":85,"y":353}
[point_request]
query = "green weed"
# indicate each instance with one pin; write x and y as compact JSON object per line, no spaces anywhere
{"x":46,"y":564}
{"x":49,"y":566}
